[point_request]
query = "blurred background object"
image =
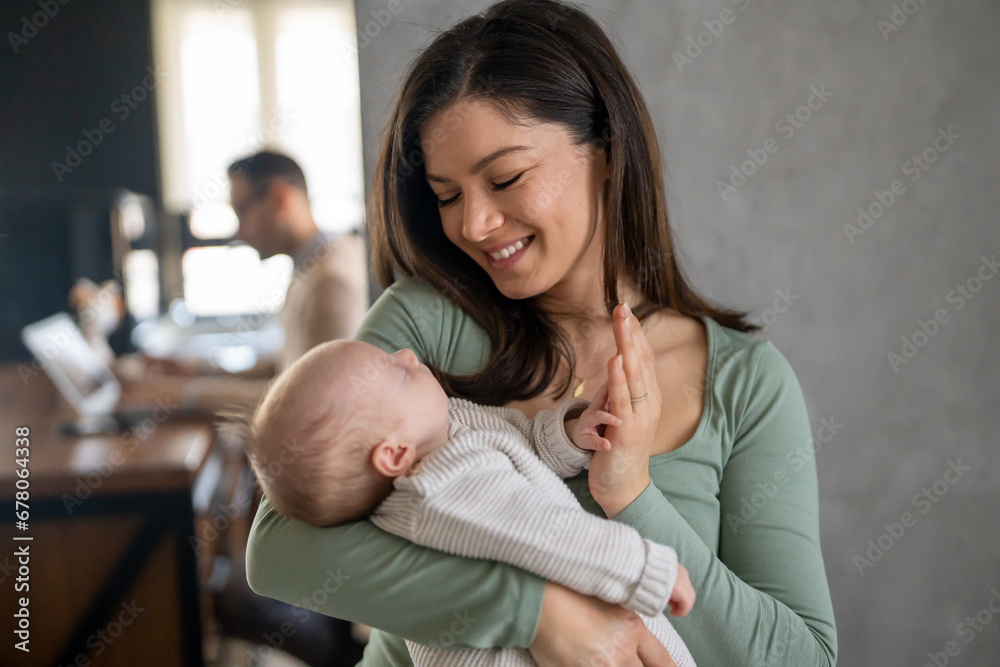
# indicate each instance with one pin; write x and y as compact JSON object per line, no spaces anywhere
{"x":99,"y":310}
{"x":115,"y":203}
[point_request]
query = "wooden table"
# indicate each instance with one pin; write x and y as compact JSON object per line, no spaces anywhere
{"x":113,"y":573}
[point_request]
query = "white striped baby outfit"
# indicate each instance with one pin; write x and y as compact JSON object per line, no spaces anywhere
{"x":494,"y":491}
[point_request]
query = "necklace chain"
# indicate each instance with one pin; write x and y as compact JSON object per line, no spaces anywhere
{"x":579,"y":387}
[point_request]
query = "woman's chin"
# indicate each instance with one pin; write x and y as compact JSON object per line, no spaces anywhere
{"x":516,"y":289}
{"x":523,"y":284}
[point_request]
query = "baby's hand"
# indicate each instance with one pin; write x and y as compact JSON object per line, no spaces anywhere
{"x":682,"y":599}
{"x":585,"y":431}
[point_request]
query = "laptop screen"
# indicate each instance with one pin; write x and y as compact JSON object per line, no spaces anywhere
{"x":77,"y":371}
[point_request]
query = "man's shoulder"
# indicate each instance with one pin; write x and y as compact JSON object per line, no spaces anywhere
{"x":331,"y":254}
{"x":340,"y":249}
{"x":347,"y":239}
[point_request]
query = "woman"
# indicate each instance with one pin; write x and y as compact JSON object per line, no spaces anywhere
{"x":518,"y":198}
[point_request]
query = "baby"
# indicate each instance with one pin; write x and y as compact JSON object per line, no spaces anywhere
{"x":350,"y":431}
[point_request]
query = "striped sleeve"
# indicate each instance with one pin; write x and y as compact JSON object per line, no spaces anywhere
{"x":469,"y":500}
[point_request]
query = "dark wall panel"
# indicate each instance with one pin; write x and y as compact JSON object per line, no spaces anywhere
{"x":78,"y":75}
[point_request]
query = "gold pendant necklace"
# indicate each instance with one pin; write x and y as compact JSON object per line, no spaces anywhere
{"x":579,"y":387}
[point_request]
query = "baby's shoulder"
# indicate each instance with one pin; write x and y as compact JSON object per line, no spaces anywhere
{"x":478,"y":417}
{"x":467,"y":454}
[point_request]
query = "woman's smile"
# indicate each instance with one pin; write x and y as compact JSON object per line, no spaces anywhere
{"x":508,"y":255}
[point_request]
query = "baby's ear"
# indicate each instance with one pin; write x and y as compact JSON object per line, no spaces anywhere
{"x":392,"y":458}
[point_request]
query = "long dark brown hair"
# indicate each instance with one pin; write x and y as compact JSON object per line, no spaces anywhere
{"x":548,"y":62}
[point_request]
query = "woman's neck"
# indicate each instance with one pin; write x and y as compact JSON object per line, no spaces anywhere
{"x":584,"y":317}
{"x":581,"y":305}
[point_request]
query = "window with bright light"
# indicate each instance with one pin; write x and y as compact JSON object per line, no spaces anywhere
{"x":241,"y":76}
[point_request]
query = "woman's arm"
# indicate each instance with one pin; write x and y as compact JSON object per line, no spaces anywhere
{"x":764,"y":599}
{"x":359,"y":572}
{"x":362,"y":573}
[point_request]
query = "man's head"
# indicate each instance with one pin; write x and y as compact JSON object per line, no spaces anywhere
{"x":339,"y":425}
{"x":269,"y":194}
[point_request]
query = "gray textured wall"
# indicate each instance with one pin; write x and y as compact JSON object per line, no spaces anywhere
{"x":854,"y":294}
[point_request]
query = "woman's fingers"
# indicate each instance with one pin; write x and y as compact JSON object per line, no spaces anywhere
{"x":649,"y":651}
{"x":618,"y":389}
{"x":628,"y":335}
{"x":644,"y":352}
{"x":653,"y":654}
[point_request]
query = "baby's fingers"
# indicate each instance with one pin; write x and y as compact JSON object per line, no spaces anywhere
{"x":602,"y":417}
{"x":683,"y":596}
{"x":594,"y":443}
{"x":682,"y":606}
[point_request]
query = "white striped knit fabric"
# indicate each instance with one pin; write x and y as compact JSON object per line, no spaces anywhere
{"x":493,"y":492}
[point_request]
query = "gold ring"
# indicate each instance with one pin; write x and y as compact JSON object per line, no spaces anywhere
{"x":641,"y":398}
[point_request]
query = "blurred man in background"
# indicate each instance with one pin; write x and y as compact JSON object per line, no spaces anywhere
{"x":328,"y":295}
{"x":326,"y":299}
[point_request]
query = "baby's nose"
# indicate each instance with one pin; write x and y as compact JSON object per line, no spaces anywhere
{"x":408,"y":356}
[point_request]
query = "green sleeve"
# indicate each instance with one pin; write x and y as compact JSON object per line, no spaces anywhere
{"x":764,"y":599}
{"x":359,"y":572}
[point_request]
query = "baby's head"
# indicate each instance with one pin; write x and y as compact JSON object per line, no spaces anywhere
{"x":335,"y":428}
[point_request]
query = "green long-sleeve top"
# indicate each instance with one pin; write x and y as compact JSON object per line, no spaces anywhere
{"x":738,"y":502}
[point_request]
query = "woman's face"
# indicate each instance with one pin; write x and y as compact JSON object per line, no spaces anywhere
{"x":522,"y":200}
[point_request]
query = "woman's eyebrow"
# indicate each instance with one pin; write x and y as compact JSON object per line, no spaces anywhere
{"x":479,"y":166}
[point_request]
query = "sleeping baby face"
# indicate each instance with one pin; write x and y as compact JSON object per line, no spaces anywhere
{"x":405,"y":390}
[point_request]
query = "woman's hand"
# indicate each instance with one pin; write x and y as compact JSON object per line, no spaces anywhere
{"x":575,"y":629}
{"x":618,"y":476}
